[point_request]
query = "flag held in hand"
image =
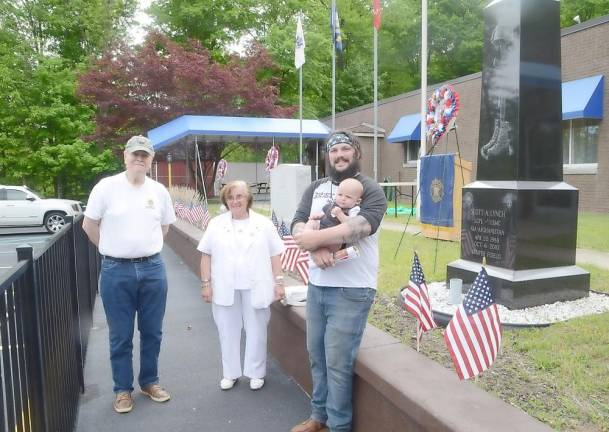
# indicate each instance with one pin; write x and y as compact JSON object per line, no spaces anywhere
{"x":473,"y":335}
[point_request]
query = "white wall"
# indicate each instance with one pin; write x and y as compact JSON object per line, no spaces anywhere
{"x":247,"y":171}
{"x":288,"y":183}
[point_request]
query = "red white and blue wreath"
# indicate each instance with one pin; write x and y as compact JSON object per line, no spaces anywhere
{"x":442,"y":109}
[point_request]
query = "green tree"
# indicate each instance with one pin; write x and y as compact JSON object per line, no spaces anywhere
{"x":585,"y":9}
{"x":42,"y":43}
{"x":216,"y":23}
{"x":40,"y":120}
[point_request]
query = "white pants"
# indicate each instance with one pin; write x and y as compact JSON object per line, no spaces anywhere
{"x":229,"y":321}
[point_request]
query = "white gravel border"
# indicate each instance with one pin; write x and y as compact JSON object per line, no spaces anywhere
{"x":538,"y":315}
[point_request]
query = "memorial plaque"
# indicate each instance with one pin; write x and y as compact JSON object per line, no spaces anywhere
{"x":487,"y":228}
{"x":520,"y":215}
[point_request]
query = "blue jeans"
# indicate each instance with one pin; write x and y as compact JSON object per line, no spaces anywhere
{"x":126,"y":289}
{"x":336,"y":318}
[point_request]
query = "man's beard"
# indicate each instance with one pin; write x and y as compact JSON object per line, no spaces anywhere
{"x":338,"y":176}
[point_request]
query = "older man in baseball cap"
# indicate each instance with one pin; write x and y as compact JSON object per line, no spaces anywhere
{"x":127,"y":217}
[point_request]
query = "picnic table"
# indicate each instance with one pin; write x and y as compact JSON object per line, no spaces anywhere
{"x":395,"y":186}
{"x":260,"y":187}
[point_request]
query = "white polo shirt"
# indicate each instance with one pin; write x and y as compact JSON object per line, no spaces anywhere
{"x":131,"y":216}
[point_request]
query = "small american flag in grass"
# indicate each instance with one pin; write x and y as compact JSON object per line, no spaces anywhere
{"x":473,"y":335}
{"x":416,"y":298}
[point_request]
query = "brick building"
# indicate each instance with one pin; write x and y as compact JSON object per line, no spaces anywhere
{"x":585,"y":63}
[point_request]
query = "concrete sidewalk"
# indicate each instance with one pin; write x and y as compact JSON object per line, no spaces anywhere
{"x":190,"y":369}
{"x":583,"y":256}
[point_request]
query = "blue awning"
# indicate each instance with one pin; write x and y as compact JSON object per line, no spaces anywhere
{"x":408,"y":128}
{"x":583,"y":98}
{"x":242,"y":129}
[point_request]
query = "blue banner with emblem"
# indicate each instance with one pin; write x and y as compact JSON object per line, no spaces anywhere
{"x":437,"y":184}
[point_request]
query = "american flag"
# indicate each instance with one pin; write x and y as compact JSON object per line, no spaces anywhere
{"x":290,"y":254}
{"x":179,"y":209}
{"x":416,"y":298}
{"x":200,"y":213}
{"x":274,"y":220}
{"x":302,"y":266}
{"x":283,"y":229}
{"x":272,"y":158}
{"x":473,"y":335}
{"x":293,"y":258}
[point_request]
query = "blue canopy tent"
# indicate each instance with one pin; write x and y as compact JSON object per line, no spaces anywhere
{"x":185,"y":132}
{"x":218,"y":129}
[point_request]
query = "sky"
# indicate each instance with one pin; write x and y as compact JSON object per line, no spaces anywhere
{"x":142,"y":19}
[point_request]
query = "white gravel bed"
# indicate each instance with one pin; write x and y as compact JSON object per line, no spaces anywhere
{"x":544,"y":314}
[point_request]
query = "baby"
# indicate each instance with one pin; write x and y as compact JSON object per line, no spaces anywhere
{"x":345,"y":205}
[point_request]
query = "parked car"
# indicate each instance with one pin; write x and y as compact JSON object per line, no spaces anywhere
{"x":20,"y":206}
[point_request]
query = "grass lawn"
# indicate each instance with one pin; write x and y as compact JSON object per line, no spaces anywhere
{"x":558,"y":374}
{"x":592,"y":231}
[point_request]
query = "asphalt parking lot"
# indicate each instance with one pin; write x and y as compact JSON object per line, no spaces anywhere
{"x":11,"y":238}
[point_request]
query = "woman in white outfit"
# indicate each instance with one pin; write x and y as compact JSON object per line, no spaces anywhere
{"x":241,"y":275}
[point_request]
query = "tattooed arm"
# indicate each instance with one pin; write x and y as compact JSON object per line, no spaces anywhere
{"x":351,"y":231}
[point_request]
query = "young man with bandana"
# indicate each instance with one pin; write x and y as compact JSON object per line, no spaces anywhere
{"x":339,"y":297}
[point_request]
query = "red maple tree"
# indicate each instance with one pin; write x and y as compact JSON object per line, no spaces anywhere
{"x":137,"y":89}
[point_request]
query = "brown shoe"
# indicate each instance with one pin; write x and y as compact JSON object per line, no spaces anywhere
{"x":309,"y":425}
{"x":123,"y":402}
{"x":156,"y":393}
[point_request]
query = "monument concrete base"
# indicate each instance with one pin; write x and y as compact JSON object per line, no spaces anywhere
{"x":518,"y":289}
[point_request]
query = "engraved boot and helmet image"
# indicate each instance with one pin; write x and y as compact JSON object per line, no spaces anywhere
{"x":501,"y":140}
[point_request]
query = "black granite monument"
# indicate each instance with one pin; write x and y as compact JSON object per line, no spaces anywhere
{"x":519,"y":214}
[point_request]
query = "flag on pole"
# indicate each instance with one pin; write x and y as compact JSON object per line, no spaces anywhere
{"x":376,"y":13}
{"x":416,"y":298}
{"x":272,"y":158}
{"x":337,"y":39}
{"x":302,"y":266}
{"x":275,"y":221}
{"x":473,"y":335}
{"x":206,"y":216}
{"x":299,"y":51}
{"x":293,"y":258}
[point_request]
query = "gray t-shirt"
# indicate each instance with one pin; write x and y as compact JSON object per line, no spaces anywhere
{"x":355,"y":273}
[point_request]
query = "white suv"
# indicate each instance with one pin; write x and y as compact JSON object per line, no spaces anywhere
{"x":19,"y":206}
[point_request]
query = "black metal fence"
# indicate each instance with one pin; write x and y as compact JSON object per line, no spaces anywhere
{"x":46,"y":305}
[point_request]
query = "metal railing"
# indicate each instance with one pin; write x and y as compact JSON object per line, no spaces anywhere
{"x":46,"y":306}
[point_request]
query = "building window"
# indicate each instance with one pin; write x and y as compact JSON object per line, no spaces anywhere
{"x":411,"y":151}
{"x":580,"y":141}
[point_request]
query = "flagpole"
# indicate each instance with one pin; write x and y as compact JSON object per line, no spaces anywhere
{"x":423,"y":128}
{"x":316,"y":160}
{"x":299,"y":60}
{"x":376,"y":103}
{"x":333,"y":65}
{"x":300,"y":95}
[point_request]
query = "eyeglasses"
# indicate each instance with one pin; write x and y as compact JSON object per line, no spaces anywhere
{"x":339,"y":138}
